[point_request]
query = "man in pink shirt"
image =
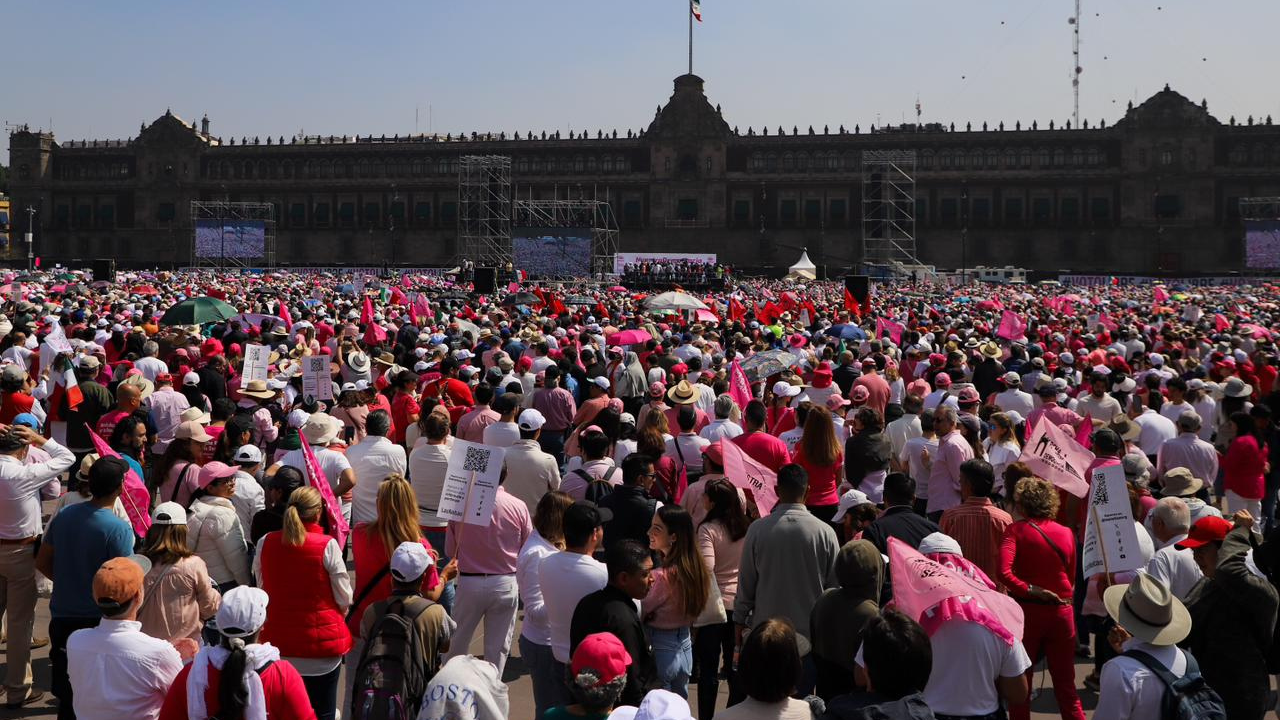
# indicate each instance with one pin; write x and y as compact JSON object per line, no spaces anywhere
{"x":1050,"y":410}
{"x":877,"y":387}
{"x":944,"y":474}
{"x":471,"y":426}
{"x":487,"y":589}
{"x":167,"y":405}
{"x":760,"y":445}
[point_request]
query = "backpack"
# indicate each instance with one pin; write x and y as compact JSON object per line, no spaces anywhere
{"x":1185,"y":698}
{"x":597,"y":490}
{"x":391,"y":676}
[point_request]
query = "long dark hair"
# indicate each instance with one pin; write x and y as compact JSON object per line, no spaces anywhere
{"x":229,"y":440}
{"x":179,"y":450}
{"x":726,"y":508}
{"x":233,"y":694}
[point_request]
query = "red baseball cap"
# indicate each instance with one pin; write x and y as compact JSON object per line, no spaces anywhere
{"x":1206,"y":530}
{"x":602,"y":654}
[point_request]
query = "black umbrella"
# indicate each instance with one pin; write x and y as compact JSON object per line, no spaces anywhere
{"x":521,"y":298}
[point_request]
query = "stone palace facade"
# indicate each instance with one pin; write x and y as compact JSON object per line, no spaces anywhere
{"x":1155,"y":191}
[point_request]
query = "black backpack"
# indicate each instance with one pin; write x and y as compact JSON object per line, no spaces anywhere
{"x":391,"y":676}
{"x":1185,"y":698}
{"x":597,"y":490}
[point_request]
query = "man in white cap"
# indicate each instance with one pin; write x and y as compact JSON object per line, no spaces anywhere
{"x":249,"y":497}
{"x":1151,"y":620}
{"x":115,"y":669}
{"x":855,"y":513}
{"x":1014,"y":397}
{"x":531,"y":472}
{"x":430,"y":624}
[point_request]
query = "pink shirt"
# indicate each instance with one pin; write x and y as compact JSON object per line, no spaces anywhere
{"x":471,"y":426}
{"x":944,"y":477}
{"x":661,"y":607}
{"x":764,"y":449}
{"x":492,"y":549}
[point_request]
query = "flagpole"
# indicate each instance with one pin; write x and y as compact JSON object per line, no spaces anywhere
{"x":690,"y":10}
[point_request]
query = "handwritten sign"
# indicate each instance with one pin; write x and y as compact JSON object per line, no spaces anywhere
{"x":743,"y":471}
{"x":471,"y":483}
{"x":316,"y":380}
{"x":1110,"y":537}
{"x":1057,"y":457}
{"x":255,"y":363}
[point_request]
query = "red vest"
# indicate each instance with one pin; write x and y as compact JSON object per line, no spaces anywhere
{"x":302,"y":619}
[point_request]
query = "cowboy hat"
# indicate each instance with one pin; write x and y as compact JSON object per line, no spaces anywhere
{"x":685,"y":393}
{"x":258,"y":389}
{"x":358,"y":361}
{"x":320,"y":429}
{"x":1148,"y":610}
{"x":1125,"y":428}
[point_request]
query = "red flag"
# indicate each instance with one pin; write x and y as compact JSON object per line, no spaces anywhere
{"x":737,"y":311}
{"x":601,"y":310}
{"x":1084,"y":433}
{"x":557,"y":307}
{"x":135,"y":497}
{"x":338,"y":527}
{"x":374,"y":335}
{"x":413,"y":314}
{"x":398,"y":297}
{"x":366,"y":314}
{"x":851,"y":304}
{"x":284,"y":315}
{"x":1220,"y":323}
{"x":1160,"y":294}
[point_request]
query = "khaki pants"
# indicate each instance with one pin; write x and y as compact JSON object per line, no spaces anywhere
{"x":18,"y":603}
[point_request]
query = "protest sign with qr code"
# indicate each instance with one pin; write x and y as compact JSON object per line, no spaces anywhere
{"x":315,"y":377}
{"x":1110,"y":538}
{"x":471,"y":482}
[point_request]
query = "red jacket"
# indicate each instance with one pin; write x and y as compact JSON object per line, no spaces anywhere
{"x":281,"y":684}
{"x":303,"y":620}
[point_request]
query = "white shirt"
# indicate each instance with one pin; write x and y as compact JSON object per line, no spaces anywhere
{"x":902,"y":430}
{"x":1175,"y":568}
{"x":502,"y":434}
{"x":247,"y":499}
{"x":151,"y":367}
{"x":718,"y":430}
{"x":20,"y":490}
{"x":1207,"y":408}
{"x":535,"y":550}
{"x":332,"y":463}
{"x":969,"y":659}
{"x":1017,"y":400}
{"x":1128,"y":690}
{"x":565,"y":578}
{"x":1156,"y":428}
{"x":540,"y":364}
{"x":1173,"y":411}
{"x":427,"y":467}
{"x":792,"y":438}
{"x":913,"y":457}
{"x":687,"y":448}
{"x":120,"y":672}
{"x":373,"y":459}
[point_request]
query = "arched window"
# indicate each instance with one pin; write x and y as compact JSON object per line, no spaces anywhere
{"x":961,"y":159}
{"x":1077,"y":157}
{"x":522,"y":165}
{"x":592,"y":164}
{"x":579,"y":164}
{"x":286,"y":168}
{"x":993,"y":160}
{"x":607,"y":165}
{"x":1059,"y":157}
{"x":850,"y":162}
{"x":622,"y":163}
{"x":537,"y":165}
{"x":926,"y":160}
{"x":788,"y":162}
{"x":326,"y":169}
{"x":945,"y":160}
{"x":1094,"y":157}
{"x":262,"y":171}
{"x":1011,"y":158}
{"x":1025,"y":158}
{"x":363,"y":168}
{"x":802,"y":162}
{"x":1046,"y":157}
{"x":771,"y":163}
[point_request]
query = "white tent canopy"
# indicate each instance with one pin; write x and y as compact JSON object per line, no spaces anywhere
{"x":804,"y":268}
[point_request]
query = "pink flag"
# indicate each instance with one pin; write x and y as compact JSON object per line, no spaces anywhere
{"x":1161,"y":295}
{"x":398,"y":297}
{"x":413,"y":314}
{"x":1107,"y":322}
{"x":1012,"y":326}
{"x":739,"y":386}
{"x":1057,"y":457}
{"x":374,"y":334}
{"x":338,"y":527}
{"x":513,"y":287}
{"x":284,"y":315}
{"x":1220,"y":323}
{"x":366,"y":314}
{"x":1085,"y":431}
{"x":1066,"y":307}
{"x":422,"y":306}
{"x":920,"y":583}
{"x":135,"y":497}
{"x":744,"y":472}
{"x":706,"y":316}
{"x":893,"y":329}
{"x":404,"y":281}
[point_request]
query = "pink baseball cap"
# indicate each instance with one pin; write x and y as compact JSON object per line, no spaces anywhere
{"x":214,"y":471}
{"x":603,"y":654}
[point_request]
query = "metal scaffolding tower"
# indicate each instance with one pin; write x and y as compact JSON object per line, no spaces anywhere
{"x":889,"y":207}
{"x":236,"y":216}
{"x":484,"y":212}
{"x":581,"y":212}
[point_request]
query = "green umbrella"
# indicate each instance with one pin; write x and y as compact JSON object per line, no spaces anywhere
{"x":198,"y":311}
{"x":66,"y":276}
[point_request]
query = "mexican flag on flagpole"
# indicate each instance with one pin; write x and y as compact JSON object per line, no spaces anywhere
{"x":695,"y":6}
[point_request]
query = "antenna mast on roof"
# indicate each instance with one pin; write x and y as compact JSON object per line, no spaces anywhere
{"x":1076,"y":69}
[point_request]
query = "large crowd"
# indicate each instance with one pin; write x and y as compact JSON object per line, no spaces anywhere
{"x":732,"y":495}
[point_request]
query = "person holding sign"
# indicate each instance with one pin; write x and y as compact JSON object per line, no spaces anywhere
{"x":1038,"y":566}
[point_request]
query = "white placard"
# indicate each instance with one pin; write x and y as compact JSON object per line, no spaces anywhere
{"x":471,"y":483}
{"x":1111,"y":519}
{"x":255,"y":364}
{"x":15,"y":291}
{"x":316,"y":380}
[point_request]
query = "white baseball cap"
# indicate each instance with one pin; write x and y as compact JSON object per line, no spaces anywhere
{"x":782,"y":388}
{"x":243,"y":611}
{"x":531,"y":420}
{"x":169,"y":513}
{"x":940,"y":543}
{"x":409,"y":561}
{"x":248,"y":455}
{"x":601,"y":382}
{"x":848,"y":501}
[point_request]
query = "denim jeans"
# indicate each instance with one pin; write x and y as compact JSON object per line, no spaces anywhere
{"x":673,"y":654}
{"x":322,"y":691}
{"x":552,"y":443}
{"x":547,"y":676}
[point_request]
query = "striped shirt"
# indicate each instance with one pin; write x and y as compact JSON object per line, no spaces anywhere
{"x":978,"y":526}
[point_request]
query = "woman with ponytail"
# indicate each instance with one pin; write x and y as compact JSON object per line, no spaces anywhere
{"x":302,"y":569}
{"x":239,"y":677}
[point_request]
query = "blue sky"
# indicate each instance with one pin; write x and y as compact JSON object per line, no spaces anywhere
{"x":99,"y":69}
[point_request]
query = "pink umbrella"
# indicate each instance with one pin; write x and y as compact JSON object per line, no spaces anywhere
{"x":1257,"y":329}
{"x":629,"y":337}
{"x":617,"y":289}
{"x":707,"y":316}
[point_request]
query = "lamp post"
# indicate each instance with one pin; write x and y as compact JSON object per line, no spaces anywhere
{"x":964,"y":233}
{"x":30,"y":238}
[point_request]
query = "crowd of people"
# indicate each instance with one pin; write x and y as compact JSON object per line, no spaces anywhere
{"x":229,"y":547}
{"x":689,"y":272}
